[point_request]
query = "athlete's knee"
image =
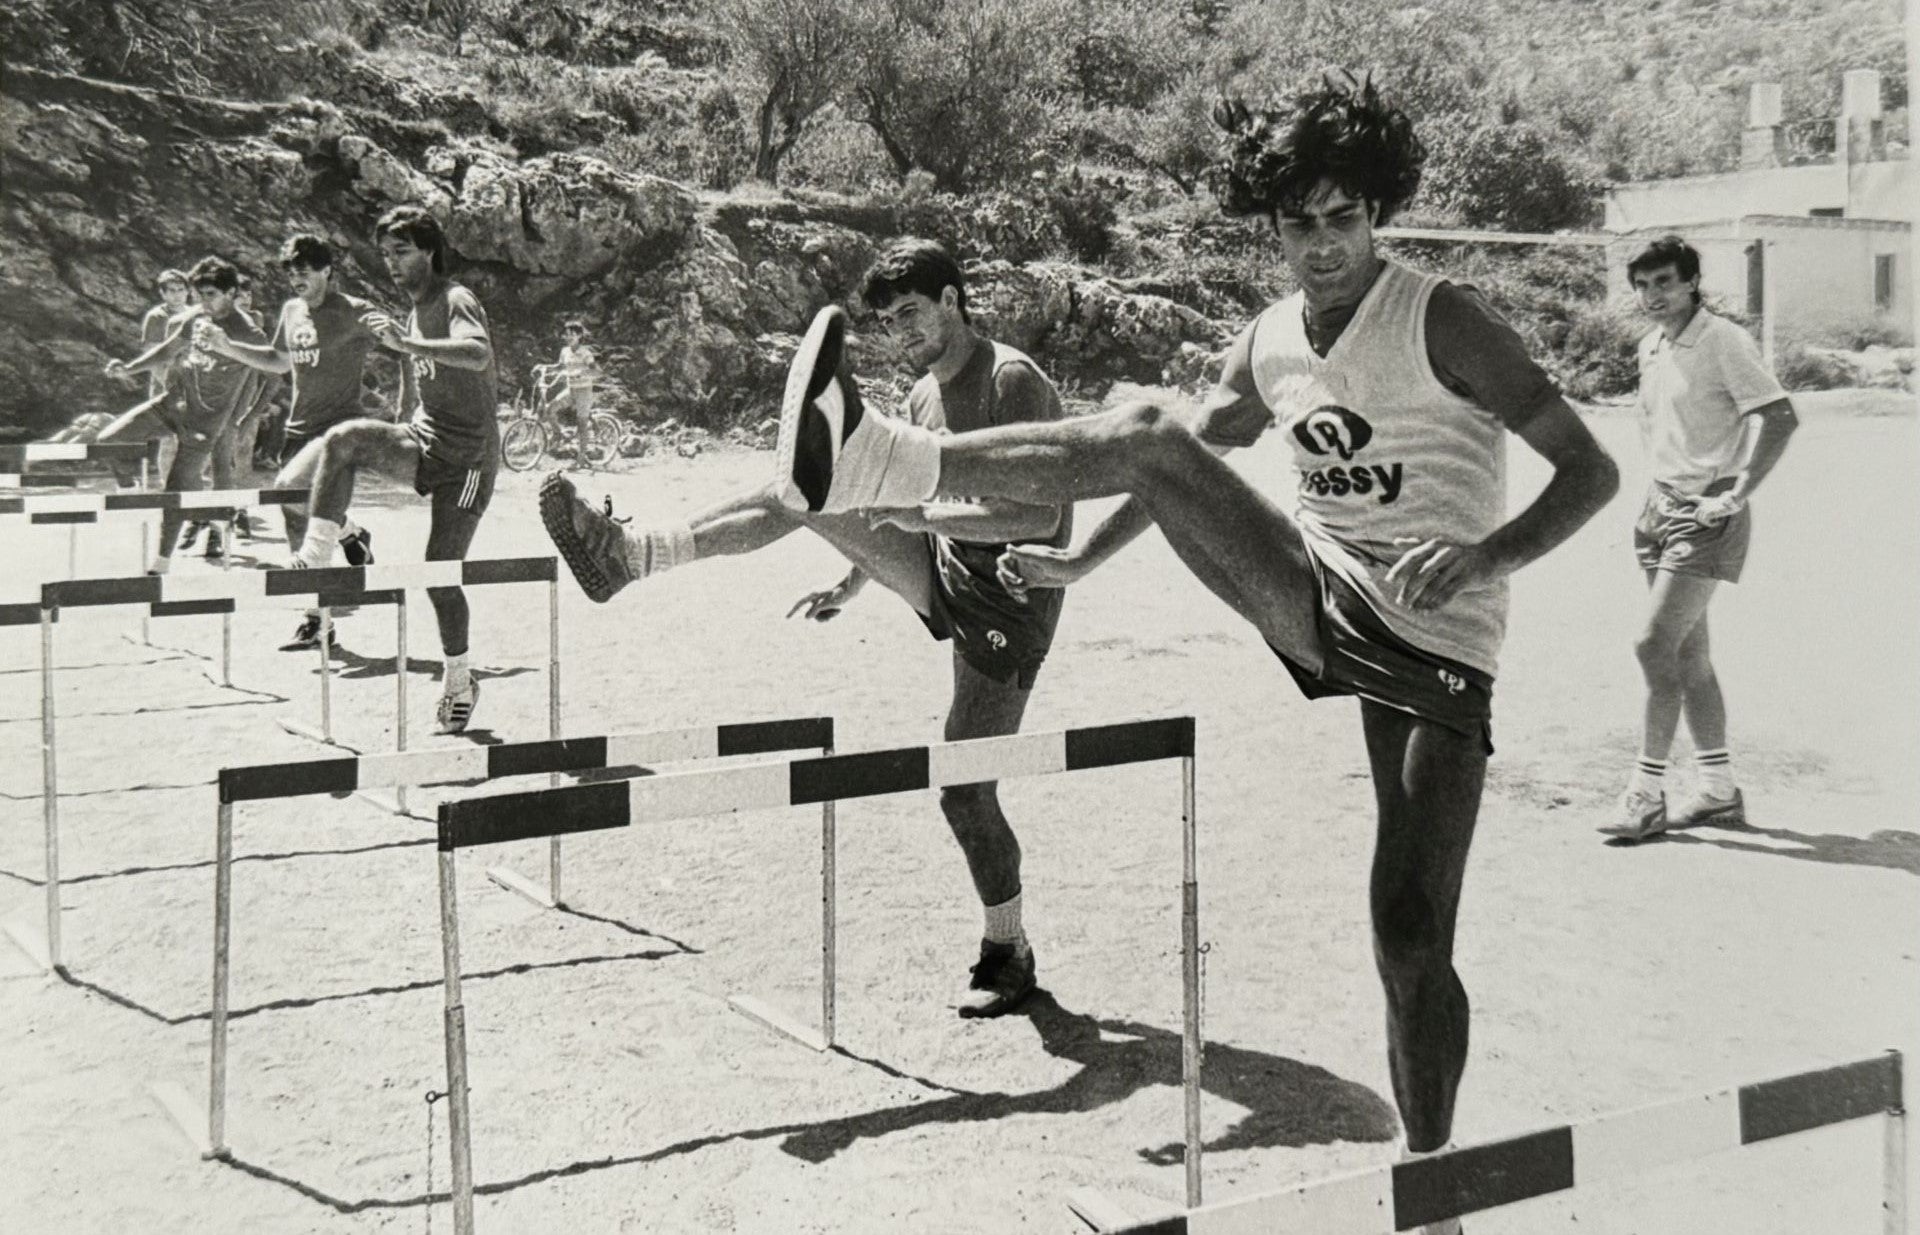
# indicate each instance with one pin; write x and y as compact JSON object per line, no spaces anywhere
{"x":969,"y":806}
{"x":1408,"y":939}
{"x":1152,"y":436}
{"x":1659,"y":655}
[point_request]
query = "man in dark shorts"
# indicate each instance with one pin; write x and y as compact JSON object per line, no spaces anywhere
{"x":1715,"y":421}
{"x":322,"y":340}
{"x":447,"y":442}
{"x":205,"y":391}
{"x":1395,"y":390}
{"x":940,"y":559}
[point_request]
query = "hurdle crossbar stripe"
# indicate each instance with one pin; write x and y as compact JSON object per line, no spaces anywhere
{"x":19,"y":615}
{"x":800,"y":782}
{"x":31,"y":480}
{"x":14,"y":457}
{"x":332,"y":587}
{"x":113,"y":503}
{"x":1466,"y":1181}
{"x":307,"y":777}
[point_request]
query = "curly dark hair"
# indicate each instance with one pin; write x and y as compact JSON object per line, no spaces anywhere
{"x":914,"y":265}
{"x":1340,"y":130}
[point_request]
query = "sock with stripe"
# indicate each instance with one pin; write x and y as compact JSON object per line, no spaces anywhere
{"x":1649,"y":776}
{"x":660,"y":548}
{"x":1716,"y":772}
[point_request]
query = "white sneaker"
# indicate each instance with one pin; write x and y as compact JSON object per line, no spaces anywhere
{"x":456,"y":708}
{"x":1641,"y":816}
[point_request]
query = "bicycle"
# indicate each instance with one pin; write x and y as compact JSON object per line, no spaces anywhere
{"x":528,"y":432}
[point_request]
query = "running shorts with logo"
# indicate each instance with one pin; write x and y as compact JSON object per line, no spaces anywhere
{"x":1667,"y":537}
{"x":1362,"y":657}
{"x":1000,"y":637}
{"x":453,"y":489}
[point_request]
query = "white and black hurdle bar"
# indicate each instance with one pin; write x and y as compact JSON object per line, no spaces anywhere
{"x":227,"y":593}
{"x":804,"y":782}
{"x":1620,"y":1145}
{"x":16,"y":464}
{"x":401,"y":769}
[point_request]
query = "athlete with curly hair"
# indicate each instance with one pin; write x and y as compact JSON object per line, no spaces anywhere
{"x":1388,"y":581}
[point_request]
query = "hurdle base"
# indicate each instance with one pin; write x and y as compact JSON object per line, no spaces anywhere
{"x":189,"y":1117}
{"x":778,"y":1021}
{"x":301,"y":730}
{"x":520,"y":885}
{"x":33,"y":942}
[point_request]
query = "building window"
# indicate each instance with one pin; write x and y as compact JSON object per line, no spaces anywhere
{"x":1756,"y":279}
{"x":1883,"y":281}
{"x":1828,"y":212}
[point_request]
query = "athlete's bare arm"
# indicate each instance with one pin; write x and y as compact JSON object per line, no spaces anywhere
{"x":1584,"y":479}
{"x":160,"y":353}
{"x":262,"y":356}
{"x":461,"y":351}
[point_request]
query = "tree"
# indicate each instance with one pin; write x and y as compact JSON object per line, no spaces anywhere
{"x":797,"y":56}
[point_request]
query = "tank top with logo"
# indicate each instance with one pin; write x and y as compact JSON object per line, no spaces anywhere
{"x":1388,"y":457}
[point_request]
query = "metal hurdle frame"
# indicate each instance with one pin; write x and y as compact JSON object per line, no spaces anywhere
{"x":803,"y":782}
{"x":401,"y":769}
{"x":168,"y":596}
{"x":24,"y":456}
{"x":1463,"y":1182}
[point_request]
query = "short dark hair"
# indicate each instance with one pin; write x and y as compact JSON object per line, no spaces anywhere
{"x":908,"y":266}
{"x":1340,"y":130}
{"x":574,"y":323}
{"x":417,"y":226}
{"x":216,"y":273}
{"x":171,"y":275}
{"x":306,"y":249}
{"x":1669,"y":250}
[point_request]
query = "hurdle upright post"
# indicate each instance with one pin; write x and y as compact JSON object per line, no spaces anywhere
{"x":400,"y":690}
{"x":459,"y":1132}
{"x":326,"y":674}
{"x":1191,"y":1044}
{"x":829,"y":873}
{"x":553,"y":724}
{"x":1893,"y":1205}
{"x":146,"y":631}
{"x":49,"y":788}
{"x":222,"y":951}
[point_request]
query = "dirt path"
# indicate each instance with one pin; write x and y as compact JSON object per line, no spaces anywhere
{"x":614,"y":1091}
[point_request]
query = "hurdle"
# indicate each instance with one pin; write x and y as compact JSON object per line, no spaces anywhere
{"x":227,"y":593}
{"x":16,"y":464}
{"x":803,"y":782}
{"x":1619,"y":1145}
{"x":401,"y":769}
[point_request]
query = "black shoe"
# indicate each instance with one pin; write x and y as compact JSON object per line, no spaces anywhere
{"x":307,"y":637}
{"x":358,"y":547}
{"x":189,"y":534}
{"x":216,"y":548}
{"x":242,"y":526}
{"x":1001,"y":979}
{"x":592,"y":545}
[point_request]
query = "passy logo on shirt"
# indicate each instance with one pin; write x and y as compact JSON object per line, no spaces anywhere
{"x":1333,"y":431}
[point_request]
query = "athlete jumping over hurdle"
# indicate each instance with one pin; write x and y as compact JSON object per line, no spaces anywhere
{"x":448,"y":441}
{"x":323,"y":341}
{"x":1395,"y":390}
{"x":939,"y":558}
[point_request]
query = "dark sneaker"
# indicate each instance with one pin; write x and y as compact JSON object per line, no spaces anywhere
{"x":358,"y":548}
{"x":242,"y":526}
{"x":216,"y":548}
{"x":307,"y":637}
{"x":456,"y":708}
{"x":593,"y":545}
{"x":1001,"y":979}
{"x":189,"y":534}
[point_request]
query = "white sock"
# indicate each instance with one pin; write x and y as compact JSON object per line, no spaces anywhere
{"x":316,"y":549}
{"x":348,"y":528}
{"x":1649,"y":776}
{"x":912,"y":474}
{"x":457,"y":673}
{"x":660,"y":548}
{"x":1716,"y":772}
{"x":1003,"y":924}
{"x":159,"y":565}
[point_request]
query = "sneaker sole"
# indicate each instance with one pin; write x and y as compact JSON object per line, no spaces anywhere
{"x":1636,"y":833}
{"x":556,"y":515}
{"x":989,"y":1011}
{"x":806,"y":450}
{"x":359,"y":551}
{"x":1734,"y":813}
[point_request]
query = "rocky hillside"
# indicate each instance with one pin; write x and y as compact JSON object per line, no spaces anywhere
{"x":693,"y":300}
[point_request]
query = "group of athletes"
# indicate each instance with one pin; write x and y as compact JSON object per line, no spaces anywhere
{"x":1386,"y":581}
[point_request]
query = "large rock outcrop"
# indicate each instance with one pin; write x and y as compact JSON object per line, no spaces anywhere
{"x":693,"y":302}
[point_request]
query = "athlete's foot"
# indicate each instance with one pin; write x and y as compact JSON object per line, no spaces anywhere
{"x":242,"y":526}
{"x":594,"y":547}
{"x":456,"y":708}
{"x":306,"y":637}
{"x":833,"y":456}
{"x":358,"y":548}
{"x":216,"y":548}
{"x":189,"y":534}
{"x":1002,"y":978}
{"x":1639,"y":816}
{"x":1706,"y":810}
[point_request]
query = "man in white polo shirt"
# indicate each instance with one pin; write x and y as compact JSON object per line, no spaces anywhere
{"x":1715,"y":421}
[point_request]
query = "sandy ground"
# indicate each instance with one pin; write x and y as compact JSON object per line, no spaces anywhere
{"x":613,"y":1089}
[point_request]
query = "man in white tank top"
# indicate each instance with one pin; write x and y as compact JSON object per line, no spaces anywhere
{"x":1715,"y":421}
{"x":1396,"y":391}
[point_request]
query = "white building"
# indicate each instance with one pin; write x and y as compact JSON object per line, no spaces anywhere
{"x":1837,"y":234}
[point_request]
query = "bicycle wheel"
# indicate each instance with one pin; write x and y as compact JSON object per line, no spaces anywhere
{"x":608,"y":435}
{"x":522,"y":444}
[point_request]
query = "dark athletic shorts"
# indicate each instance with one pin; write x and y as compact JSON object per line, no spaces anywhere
{"x":1665,"y":537}
{"x":998,"y":636}
{"x":1363,"y":657}
{"x":454,"y":488}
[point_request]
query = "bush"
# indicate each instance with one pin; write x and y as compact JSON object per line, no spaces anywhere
{"x":1802,"y":367}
